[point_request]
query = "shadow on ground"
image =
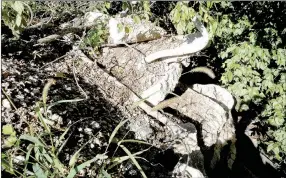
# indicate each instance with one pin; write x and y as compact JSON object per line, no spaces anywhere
{"x":95,"y":119}
{"x":248,"y":162}
{"x":96,"y":109}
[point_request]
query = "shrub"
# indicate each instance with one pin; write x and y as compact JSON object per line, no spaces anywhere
{"x":254,"y":64}
{"x":15,"y":15}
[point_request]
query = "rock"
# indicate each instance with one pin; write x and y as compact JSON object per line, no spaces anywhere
{"x":6,"y":104}
{"x":89,"y":20}
{"x":91,"y":145}
{"x":88,"y":131}
{"x":219,"y":94}
{"x":57,"y":118}
{"x":19,"y":159}
{"x":97,"y":141}
{"x":95,"y":125}
{"x":216,"y":120}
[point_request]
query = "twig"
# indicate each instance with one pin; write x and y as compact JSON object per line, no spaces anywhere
{"x":73,"y":70}
{"x":121,"y":44}
{"x":54,"y":61}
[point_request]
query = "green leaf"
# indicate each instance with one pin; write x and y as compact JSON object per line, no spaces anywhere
{"x":107,"y":5}
{"x":61,"y":137}
{"x":63,"y":101}
{"x":105,"y":174}
{"x":8,"y":129}
{"x":38,"y":171}
{"x":18,"y":6}
{"x":120,"y":27}
{"x":125,"y":5}
{"x":58,"y":164}
{"x":127,"y":30}
{"x":40,"y":116}
{"x":177,"y":16}
{"x":229,"y":76}
{"x":10,"y":141}
{"x":18,"y":20}
{"x":136,"y":19}
{"x":32,"y":139}
{"x":76,"y":155}
{"x":75,"y":170}
{"x":119,"y":160}
{"x":74,"y":158}
{"x":7,"y":164}
{"x":30,"y":148}
{"x":134,"y":141}
{"x":116,"y":130}
{"x":45,"y":91}
{"x":47,"y":156}
{"x":134,"y":161}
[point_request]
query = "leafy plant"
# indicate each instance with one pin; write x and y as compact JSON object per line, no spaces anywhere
{"x":138,"y":10}
{"x":96,"y":37}
{"x":182,"y":15}
{"x":253,"y":71}
{"x":15,"y":15}
{"x":10,"y":135}
{"x":256,"y":76}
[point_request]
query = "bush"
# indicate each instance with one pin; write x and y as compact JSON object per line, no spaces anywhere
{"x":15,"y":15}
{"x":253,"y":58}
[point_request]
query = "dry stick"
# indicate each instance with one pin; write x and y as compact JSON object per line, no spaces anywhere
{"x":54,"y":61}
{"x":73,"y":70}
{"x":117,"y":45}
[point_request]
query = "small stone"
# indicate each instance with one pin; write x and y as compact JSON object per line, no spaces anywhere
{"x":82,"y":172}
{"x":6,"y":104}
{"x":19,"y":159}
{"x":91,"y":145}
{"x":95,"y":125}
{"x":32,"y":79}
{"x":57,"y":118}
{"x":80,"y":129}
{"x":97,"y":141}
{"x":5,"y":85}
{"x":20,"y":97}
{"x":26,"y":130}
{"x":88,"y":131}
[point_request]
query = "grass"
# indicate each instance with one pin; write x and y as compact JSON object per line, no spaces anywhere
{"x":41,"y":156}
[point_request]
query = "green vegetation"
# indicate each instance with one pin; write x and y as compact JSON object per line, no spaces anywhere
{"x":254,"y":74}
{"x":42,"y":153}
{"x":15,"y":15}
